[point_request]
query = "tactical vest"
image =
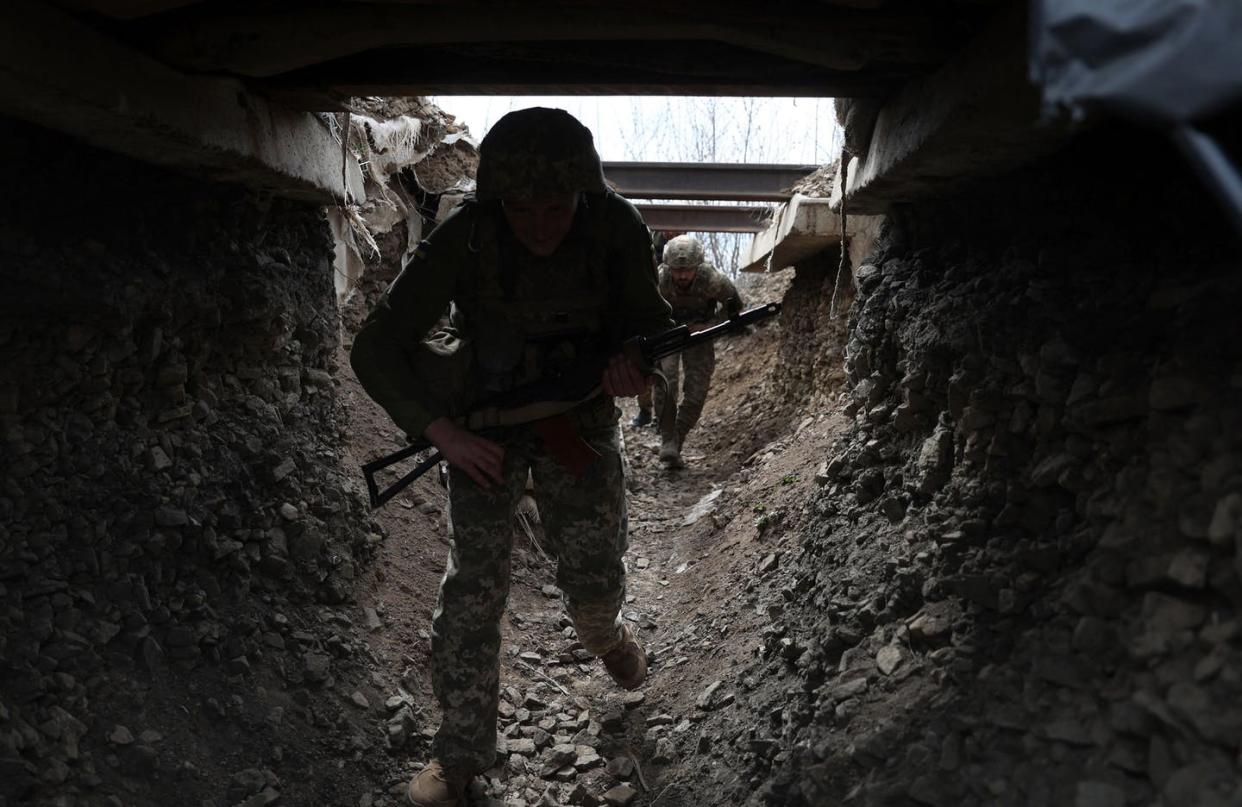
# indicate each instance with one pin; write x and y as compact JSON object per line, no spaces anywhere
{"x":530,"y":319}
{"x":689,"y":305}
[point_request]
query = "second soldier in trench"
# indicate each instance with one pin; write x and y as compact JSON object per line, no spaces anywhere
{"x":698,"y":293}
{"x":544,"y":265}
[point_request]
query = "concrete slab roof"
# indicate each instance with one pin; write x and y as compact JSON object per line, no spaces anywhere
{"x":318,"y":55}
{"x":938,"y":89}
{"x":800,"y":228}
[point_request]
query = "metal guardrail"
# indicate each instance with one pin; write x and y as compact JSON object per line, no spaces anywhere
{"x":733,"y":182}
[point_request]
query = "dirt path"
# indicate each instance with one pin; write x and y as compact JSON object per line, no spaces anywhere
{"x":705,"y":543}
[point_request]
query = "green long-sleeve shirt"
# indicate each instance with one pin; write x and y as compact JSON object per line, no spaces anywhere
{"x":443,"y":270}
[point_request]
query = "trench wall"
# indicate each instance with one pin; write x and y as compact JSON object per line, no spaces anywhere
{"x":171,"y":501}
{"x":1020,"y":577}
{"x":814,"y":322}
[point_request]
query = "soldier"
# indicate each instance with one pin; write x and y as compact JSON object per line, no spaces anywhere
{"x":658,"y":239}
{"x":544,"y":264}
{"x":697,"y":293}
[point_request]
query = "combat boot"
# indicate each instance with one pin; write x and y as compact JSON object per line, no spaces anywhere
{"x":642,"y":418}
{"x":627,"y":662}
{"x":435,"y":786}
{"x":670,"y":452}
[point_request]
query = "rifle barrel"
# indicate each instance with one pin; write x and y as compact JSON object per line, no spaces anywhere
{"x":663,"y":348}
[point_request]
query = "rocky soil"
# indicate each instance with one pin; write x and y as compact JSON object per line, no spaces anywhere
{"x":977,"y":542}
{"x":1002,"y":569}
{"x":178,"y":536}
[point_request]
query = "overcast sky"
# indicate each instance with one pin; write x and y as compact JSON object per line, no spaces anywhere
{"x":675,"y":128}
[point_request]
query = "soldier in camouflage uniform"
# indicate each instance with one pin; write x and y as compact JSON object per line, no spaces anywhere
{"x":645,"y":401}
{"x":543,"y":265}
{"x":698,"y":294}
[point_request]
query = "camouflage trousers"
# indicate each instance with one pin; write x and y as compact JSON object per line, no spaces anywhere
{"x":644,"y":398}
{"x":584,"y":520}
{"x":678,"y":419}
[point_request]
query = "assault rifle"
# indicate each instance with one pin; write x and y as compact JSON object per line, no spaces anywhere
{"x":544,"y":401}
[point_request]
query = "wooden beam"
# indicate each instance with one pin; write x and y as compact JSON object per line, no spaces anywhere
{"x":58,"y":72}
{"x":577,"y":68}
{"x":126,"y":9}
{"x":261,"y":44}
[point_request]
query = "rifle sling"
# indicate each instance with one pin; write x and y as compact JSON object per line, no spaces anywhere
{"x":490,"y":417}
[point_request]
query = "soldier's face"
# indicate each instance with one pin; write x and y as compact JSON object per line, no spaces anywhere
{"x":541,"y":224}
{"x":683,"y":276}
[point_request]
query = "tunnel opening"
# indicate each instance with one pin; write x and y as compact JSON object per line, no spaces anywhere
{"x":963,"y":527}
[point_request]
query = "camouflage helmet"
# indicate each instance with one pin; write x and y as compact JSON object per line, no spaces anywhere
{"x":536,"y":152}
{"x":684,"y":252}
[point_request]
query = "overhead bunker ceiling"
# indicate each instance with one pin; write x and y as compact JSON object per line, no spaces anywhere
{"x":939,"y":88}
{"x":317,"y":55}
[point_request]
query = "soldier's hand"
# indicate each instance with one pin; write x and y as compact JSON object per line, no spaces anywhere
{"x":481,"y":459}
{"x":623,"y":378}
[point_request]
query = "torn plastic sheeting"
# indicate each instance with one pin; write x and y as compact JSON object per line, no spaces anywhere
{"x":1165,"y":60}
{"x":347,"y":263}
{"x":393,"y":143}
{"x":1171,"y":63}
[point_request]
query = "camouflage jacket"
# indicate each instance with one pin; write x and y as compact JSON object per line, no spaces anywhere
{"x":514,"y":309}
{"x":702,"y":301}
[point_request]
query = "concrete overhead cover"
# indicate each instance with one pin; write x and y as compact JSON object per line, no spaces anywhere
{"x":801,"y":228}
{"x":60,"y":73}
{"x":977,"y":115}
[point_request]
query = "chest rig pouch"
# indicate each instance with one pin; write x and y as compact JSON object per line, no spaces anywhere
{"x":532,"y":319}
{"x":689,"y":305}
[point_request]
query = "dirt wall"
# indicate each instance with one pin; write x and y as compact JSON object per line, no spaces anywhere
{"x":173,"y":514}
{"x":1019,"y":579}
{"x":810,"y":368}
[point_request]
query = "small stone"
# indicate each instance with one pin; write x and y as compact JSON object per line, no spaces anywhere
{"x":931,"y":629}
{"x":843,"y":690}
{"x":360,"y":700}
{"x":620,"y":796}
{"x":1068,"y":731}
{"x":316,"y":666}
{"x":588,"y":759}
{"x":283,"y":469}
{"x":523,"y":745}
{"x":121,"y":736}
{"x":632,"y":699}
{"x":1099,"y":794}
{"x":707,"y":698}
{"x":889,"y":659}
{"x":157,"y":459}
{"x":1226,"y":518}
{"x":1168,"y":615}
{"x":1189,"y":568}
{"x":620,"y":767}
{"x":288,"y":512}
{"x":171,"y":517}
{"x":562,"y":755}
